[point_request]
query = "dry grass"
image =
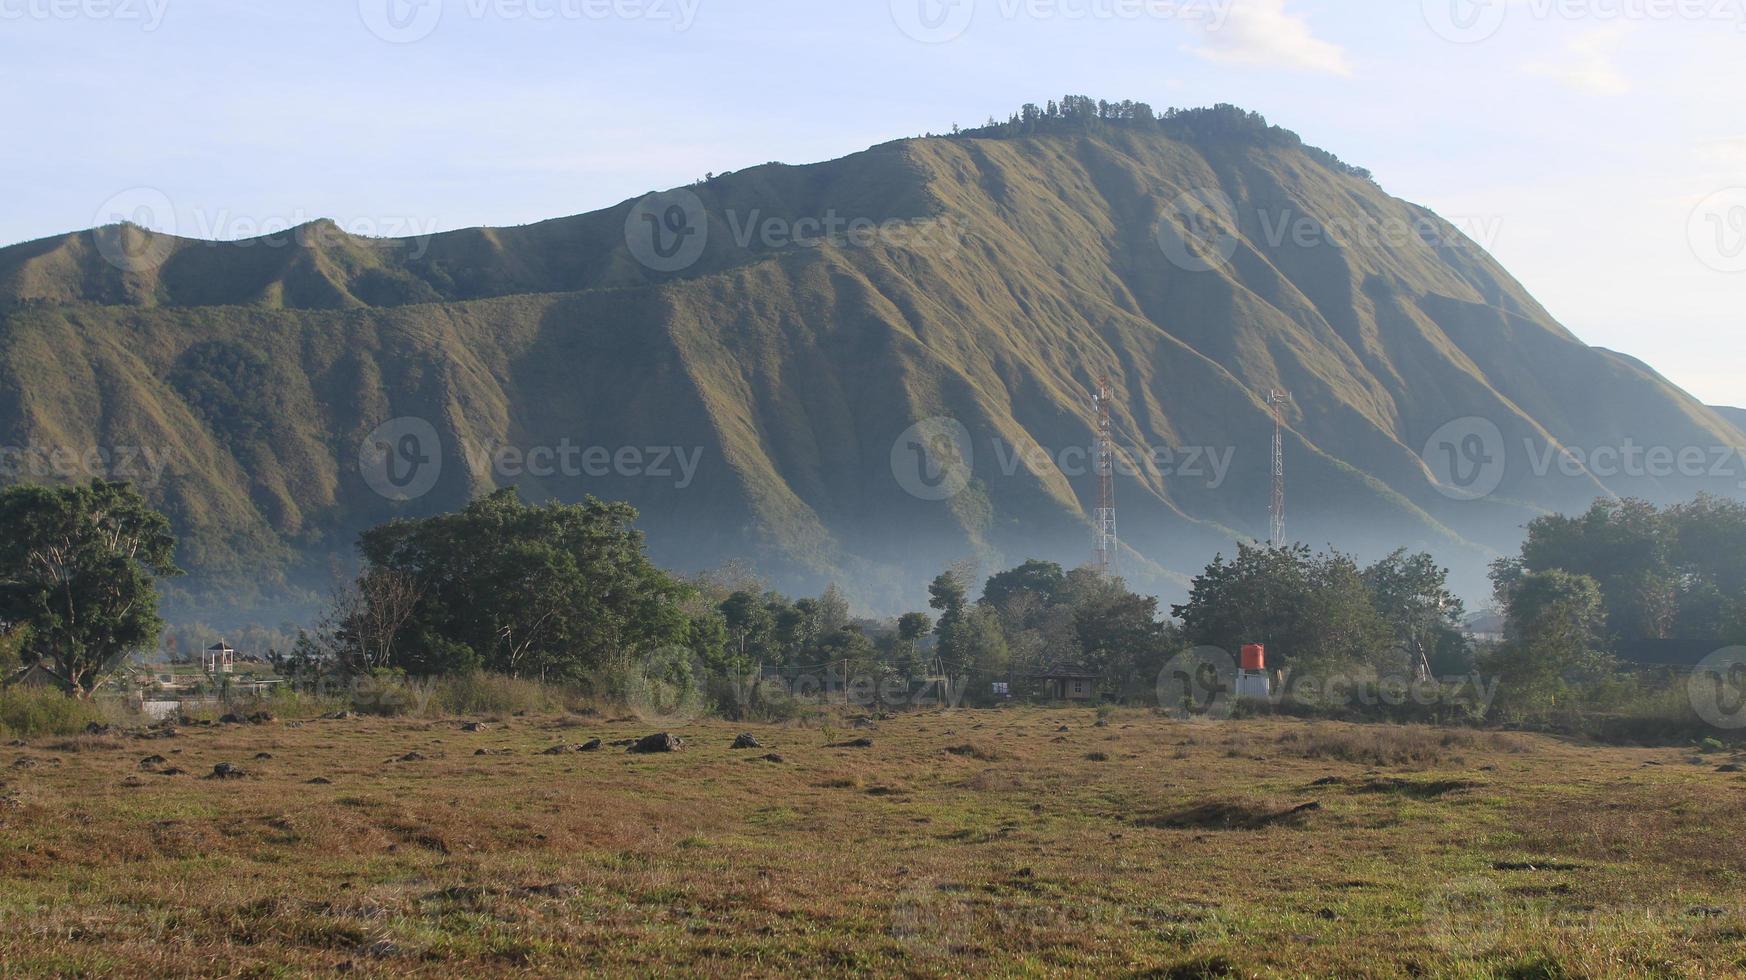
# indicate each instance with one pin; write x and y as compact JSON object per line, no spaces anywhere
{"x":1312,"y":850}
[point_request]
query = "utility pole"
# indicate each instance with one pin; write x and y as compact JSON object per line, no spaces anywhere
{"x":1276,"y":399}
{"x":1103,"y":454}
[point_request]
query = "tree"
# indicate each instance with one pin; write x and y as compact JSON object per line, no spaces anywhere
{"x":911,"y":627}
{"x":1411,"y":594}
{"x":1043,"y":579}
{"x":556,"y":592}
{"x":749,"y":622}
{"x":1311,"y":611}
{"x":78,"y":570}
{"x":833,"y":610}
{"x":1554,"y":621}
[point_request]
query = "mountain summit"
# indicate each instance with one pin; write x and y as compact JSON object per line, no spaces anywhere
{"x":857,"y":370}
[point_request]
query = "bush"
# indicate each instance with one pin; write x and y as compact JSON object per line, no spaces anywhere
{"x":27,"y":712}
{"x":484,"y":693}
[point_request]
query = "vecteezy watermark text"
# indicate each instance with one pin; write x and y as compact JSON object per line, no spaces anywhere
{"x":940,"y":21}
{"x":1202,"y":229}
{"x":669,"y":231}
{"x":574,"y":460}
{"x":1469,"y":459}
{"x":935,"y":459}
{"x":403,"y":458}
{"x":142,"y":465}
{"x":407,"y":21}
{"x":149,"y":14}
{"x":1474,"y":21}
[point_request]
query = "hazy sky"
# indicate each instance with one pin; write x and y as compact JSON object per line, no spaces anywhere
{"x":1597,"y":148}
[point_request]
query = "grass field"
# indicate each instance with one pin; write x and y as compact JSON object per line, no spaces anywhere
{"x":1021,"y":841}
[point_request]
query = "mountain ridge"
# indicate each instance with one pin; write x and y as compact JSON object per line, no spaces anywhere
{"x":797,"y":369}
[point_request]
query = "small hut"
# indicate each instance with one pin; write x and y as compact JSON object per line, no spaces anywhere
{"x":1069,"y":682}
{"x":219,"y":659}
{"x":40,"y":674}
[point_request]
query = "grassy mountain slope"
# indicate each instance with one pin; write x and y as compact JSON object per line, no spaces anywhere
{"x":1022,"y":267}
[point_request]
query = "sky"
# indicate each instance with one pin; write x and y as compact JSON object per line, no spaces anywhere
{"x":1596,"y":147}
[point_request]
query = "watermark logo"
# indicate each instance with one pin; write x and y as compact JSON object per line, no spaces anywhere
{"x":667,"y":231}
{"x":401,"y":459}
{"x":1197,"y":232}
{"x":1465,"y":916}
{"x":1466,"y":458}
{"x":401,"y":21}
{"x":1465,"y":21}
{"x":933,"y":21}
{"x":1717,"y":230}
{"x":136,"y":229}
{"x":1717,"y":688}
{"x":933,"y":459}
{"x":1197,"y":684}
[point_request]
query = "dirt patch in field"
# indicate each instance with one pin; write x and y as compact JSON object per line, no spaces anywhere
{"x":1232,"y":815}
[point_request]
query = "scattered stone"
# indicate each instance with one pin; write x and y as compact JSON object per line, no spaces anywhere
{"x":475,"y":726}
{"x":153,"y":762}
{"x":855,"y":743}
{"x":411,"y":757}
{"x":1328,"y":781}
{"x":659,"y":742}
{"x":320,"y":781}
{"x":770,"y":757}
{"x":746,"y":740}
{"x":1063,"y":728}
{"x":556,"y":750}
{"x":133,"y":782}
{"x":17,"y":743}
{"x":492,"y":752}
{"x":25,"y":762}
{"x":96,"y":728}
{"x":1731,"y":767}
{"x":1097,"y":757}
{"x":1488,"y":768}
{"x":1101,"y":723}
{"x":263,"y":756}
{"x":863,"y":723}
{"x":340,"y":715}
{"x":231,"y":719}
{"x":1706,"y":912}
{"x":592,"y":745}
{"x":225,"y":770}
{"x":262,"y":718}
{"x":172,"y":771}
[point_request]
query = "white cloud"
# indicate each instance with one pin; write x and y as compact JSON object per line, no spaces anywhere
{"x":1263,"y":33}
{"x":1589,"y":63}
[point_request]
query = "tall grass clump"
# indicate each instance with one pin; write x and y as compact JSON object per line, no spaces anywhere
{"x":28,"y":712}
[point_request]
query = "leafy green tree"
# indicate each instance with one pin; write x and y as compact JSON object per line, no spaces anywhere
{"x":911,"y":627}
{"x":78,"y":570}
{"x":1312,"y":612}
{"x":1555,"y":622}
{"x":1411,"y":594}
{"x":555,"y":592}
{"x":1042,"y":579}
{"x":749,"y":623}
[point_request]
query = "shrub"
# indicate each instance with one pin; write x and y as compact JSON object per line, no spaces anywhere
{"x":484,"y":693}
{"x":27,"y":712}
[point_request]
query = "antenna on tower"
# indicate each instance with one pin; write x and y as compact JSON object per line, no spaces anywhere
{"x":1103,"y":454}
{"x":1276,"y":399}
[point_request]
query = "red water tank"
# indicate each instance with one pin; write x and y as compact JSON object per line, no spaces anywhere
{"x":1254,"y":657}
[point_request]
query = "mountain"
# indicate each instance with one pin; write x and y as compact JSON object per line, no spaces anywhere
{"x":791,"y":330}
{"x":1735,"y":415}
